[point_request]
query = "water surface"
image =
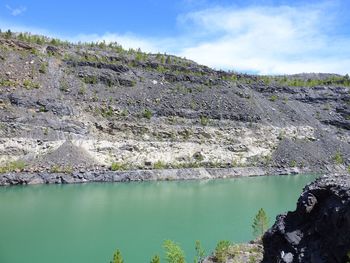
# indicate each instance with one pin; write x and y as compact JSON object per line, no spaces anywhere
{"x":85,"y":223}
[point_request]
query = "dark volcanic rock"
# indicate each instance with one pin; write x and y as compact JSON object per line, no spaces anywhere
{"x":318,"y":230}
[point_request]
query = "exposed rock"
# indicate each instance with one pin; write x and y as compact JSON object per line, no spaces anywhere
{"x":97,"y":175}
{"x":318,"y":230}
{"x":52,"y":50}
{"x":66,"y":155}
{"x":138,"y":110}
{"x":240,"y":253}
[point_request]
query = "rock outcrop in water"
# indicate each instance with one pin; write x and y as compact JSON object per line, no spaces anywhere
{"x":318,"y":231}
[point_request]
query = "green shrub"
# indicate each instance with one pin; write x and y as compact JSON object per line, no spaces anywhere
{"x":173,"y":252}
{"x":161,"y":69}
{"x":42,"y":109}
{"x":90,"y":79}
{"x":233,"y":78}
{"x":140,"y":56}
{"x":28,"y":84}
{"x":293,"y":163}
{"x":221,"y":251}
{"x":338,"y":158}
{"x":159,"y":165}
{"x":82,"y":89}
{"x":273,"y":97}
{"x":106,"y":111}
{"x":117,"y":166}
{"x":204,"y":120}
{"x":64,"y":86}
{"x":147,"y":114}
{"x":43,"y":68}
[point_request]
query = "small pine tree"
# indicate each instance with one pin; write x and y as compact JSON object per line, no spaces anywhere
{"x":260,"y":223}
{"x":221,"y":250}
{"x":54,"y":42}
{"x":155,"y":259}
{"x":8,"y":34}
{"x":173,"y":252}
{"x":117,"y":257}
{"x":200,"y":253}
{"x":21,"y":36}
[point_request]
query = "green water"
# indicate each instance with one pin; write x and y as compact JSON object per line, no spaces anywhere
{"x":85,"y":223}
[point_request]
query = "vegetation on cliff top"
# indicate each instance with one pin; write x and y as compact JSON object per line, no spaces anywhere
{"x":139,"y":58}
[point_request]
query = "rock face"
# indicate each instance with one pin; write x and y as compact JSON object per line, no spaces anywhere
{"x":318,"y":230}
{"x":145,"y":111}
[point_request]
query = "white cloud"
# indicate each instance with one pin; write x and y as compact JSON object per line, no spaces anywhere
{"x":263,"y":40}
{"x":16,"y":11}
{"x":268,"y":40}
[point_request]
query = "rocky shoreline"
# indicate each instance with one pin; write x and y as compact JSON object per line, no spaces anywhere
{"x":27,"y":178}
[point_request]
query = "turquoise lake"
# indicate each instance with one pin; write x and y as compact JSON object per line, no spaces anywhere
{"x":86,"y":223}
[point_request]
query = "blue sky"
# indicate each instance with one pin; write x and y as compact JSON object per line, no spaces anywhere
{"x":265,"y":37}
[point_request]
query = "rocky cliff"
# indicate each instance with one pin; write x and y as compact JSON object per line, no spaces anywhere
{"x":85,"y":107}
{"x":318,"y":230}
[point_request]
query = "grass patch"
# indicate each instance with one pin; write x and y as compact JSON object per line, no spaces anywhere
{"x":7,"y":83}
{"x":13,"y":167}
{"x":28,"y":84}
{"x":117,"y":166}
